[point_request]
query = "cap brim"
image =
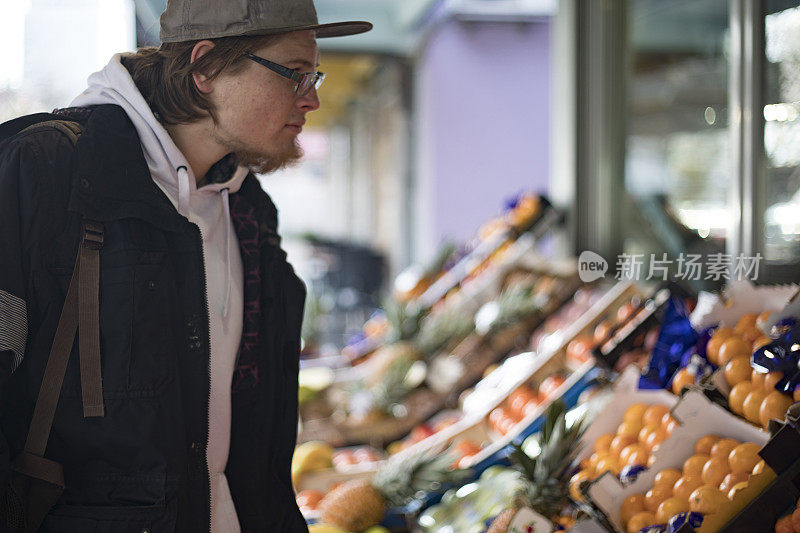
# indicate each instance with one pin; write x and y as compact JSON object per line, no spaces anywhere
{"x":333,"y":29}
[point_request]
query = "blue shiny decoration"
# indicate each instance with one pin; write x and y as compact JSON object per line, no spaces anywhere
{"x":676,"y":341}
{"x":659,"y":528}
{"x":781,"y":355}
{"x":629,"y":473}
{"x":676,"y":522}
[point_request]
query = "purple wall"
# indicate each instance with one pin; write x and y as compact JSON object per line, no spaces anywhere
{"x":483,"y":97}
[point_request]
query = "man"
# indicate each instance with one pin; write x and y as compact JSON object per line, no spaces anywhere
{"x":199,"y":312}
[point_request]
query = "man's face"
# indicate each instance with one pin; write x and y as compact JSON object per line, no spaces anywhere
{"x":259,"y":115}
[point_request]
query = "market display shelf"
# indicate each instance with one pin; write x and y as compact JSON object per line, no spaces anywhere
{"x":547,"y":219}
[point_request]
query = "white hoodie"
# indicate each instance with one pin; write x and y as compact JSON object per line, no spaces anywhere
{"x":208,"y":208}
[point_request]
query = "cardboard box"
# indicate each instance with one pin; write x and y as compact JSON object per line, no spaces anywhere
{"x":696,"y":416}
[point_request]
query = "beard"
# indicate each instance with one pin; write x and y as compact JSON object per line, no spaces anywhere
{"x":260,"y":162}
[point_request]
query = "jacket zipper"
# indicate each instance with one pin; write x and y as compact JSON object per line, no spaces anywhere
{"x":208,"y":371}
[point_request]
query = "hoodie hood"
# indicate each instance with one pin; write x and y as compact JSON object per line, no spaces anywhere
{"x":168,"y":166}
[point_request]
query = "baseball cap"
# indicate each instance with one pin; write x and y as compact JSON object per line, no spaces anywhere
{"x":189,"y":20}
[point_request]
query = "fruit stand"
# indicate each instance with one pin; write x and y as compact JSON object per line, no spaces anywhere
{"x":502,"y":394}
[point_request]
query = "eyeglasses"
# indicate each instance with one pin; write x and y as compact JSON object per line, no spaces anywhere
{"x":305,"y":80}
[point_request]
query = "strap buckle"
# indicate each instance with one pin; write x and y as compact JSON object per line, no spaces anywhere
{"x":92,"y":235}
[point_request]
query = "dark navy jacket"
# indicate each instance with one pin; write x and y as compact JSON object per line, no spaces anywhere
{"x":142,"y":467}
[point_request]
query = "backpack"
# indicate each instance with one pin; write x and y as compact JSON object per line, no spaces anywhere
{"x":36,"y":482}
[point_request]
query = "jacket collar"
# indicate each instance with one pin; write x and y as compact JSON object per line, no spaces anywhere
{"x":111,"y":179}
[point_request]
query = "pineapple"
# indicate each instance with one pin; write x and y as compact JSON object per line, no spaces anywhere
{"x":358,"y":504}
{"x":547,"y":493}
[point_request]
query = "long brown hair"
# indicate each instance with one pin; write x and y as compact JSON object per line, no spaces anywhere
{"x":164,"y":75}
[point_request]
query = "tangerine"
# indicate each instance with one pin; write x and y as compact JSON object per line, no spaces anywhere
{"x":733,"y":347}
{"x":744,"y":458}
{"x":631,"y":505}
{"x":632,"y":449}
{"x":603,"y":442}
{"x":668,"y":476}
{"x":771,"y":380}
{"x":640,"y":521}
{"x":645,"y":432}
{"x":737,"y":396}
{"x":684,"y":487}
{"x":693,"y":466}
{"x":634,"y":413}
{"x":723,"y":447}
{"x":715,"y":470}
{"x":752,"y":405}
{"x":656,"y":495}
{"x":607,"y":464}
{"x":669,"y":508}
{"x":760,"y":467}
{"x":745,"y":322}
{"x":704,"y":444}
{"x":715,"y":343}
{"x":683,"y":378}
{"x":575,"y":485}
{"x":757,"y":378}
{"x":655,"y":439}
{"x":738,"y":370}
{"x":706,"y":500}
{"x":630,"y":429}
{"x":775,"y":406}
{"x":761,"y":341}
{"x":654,"y":414}
{"x":619,"y":442}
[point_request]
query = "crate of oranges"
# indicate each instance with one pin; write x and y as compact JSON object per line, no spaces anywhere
{"x":704,"y":461}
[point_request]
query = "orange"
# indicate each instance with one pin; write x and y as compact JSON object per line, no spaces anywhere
{"x":638,"y":457}
{"x":723,"y":447}
{"x":656,"y":495}
{"x":757,"y":379}
{"x":645,"y":432}
{"x":668,"y":476}
{"x":732,"y":348}
{"x":715,"y":470}
{"x":603,"y":442}
{"x":760,"y":467}
{"x":736,"y":489}
{"x":653,"y":415}
{"x":770,"y":380}
{"x":655,"y":438}
{"x":683,"y":378}
{"x":704,"y":444}
{"x":737,"y":396}
{"x":693,"y":466}
{"x":651,"y":460}
{"x":745,"y":323}
{"x":640,"y":521}
{"x":669,"y":508}
{"x":596,"y":457}
{"x":619,"y":442}
{"x":634,"y":413}
{"x":715,"y":343}
{"x":731,"y":480}
{"x":631,"y":505}
{"x":607,"y":464}
{"x":752,"y":406}
{"x":630,"y":449}
{"x":744,"y":458}
{"x":738,"y":370}
{"x":671,"y":425}
{"x":630,"y":429}
{"x":706,"y":500}
{"x":774,"y":406}
{"x":684,"y":487}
